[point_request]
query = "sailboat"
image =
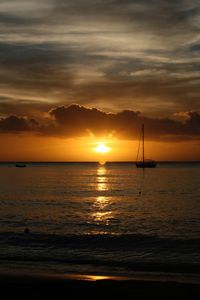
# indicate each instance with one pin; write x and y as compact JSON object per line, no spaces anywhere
{"x":20,"y":165}
{"x":145,"y":163}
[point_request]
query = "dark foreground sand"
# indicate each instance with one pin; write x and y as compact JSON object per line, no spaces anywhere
{"x":38,"y":287}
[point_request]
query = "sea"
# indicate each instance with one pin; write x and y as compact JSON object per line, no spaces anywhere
{"x":97,"y":219}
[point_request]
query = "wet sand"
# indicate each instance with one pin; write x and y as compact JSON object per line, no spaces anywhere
{"x":21,"y":286}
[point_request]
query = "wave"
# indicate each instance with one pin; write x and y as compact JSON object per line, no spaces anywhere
{"x":104,"y":241}
{"x":129,"y":252}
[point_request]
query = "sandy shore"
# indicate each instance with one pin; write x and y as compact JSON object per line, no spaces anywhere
{"x":21,"y":286}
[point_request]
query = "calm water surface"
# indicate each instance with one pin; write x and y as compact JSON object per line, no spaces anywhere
{"x":100,"y":219}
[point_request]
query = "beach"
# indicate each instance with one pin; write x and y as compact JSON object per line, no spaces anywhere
{"x":33,"y":287}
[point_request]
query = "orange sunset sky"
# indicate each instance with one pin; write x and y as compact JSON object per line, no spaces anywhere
{"x":76,"y":75}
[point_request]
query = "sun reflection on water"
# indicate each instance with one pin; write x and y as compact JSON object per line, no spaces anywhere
{"x":101,"y":212}
{"x":102,"y":184}
{"x":102,"y":217}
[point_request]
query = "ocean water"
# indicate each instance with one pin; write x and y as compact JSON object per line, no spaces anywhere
{"x":111,"y":219}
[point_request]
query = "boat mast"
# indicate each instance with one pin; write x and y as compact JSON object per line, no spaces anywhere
{"x":143,"y":142}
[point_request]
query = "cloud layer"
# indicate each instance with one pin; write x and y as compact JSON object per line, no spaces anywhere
{"x":78,"y":121}
{"x":109,"y":54}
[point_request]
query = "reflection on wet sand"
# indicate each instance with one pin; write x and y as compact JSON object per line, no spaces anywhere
{"x":94,"y":277}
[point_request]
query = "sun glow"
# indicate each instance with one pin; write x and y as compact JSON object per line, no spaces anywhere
{"x":102,"y":148}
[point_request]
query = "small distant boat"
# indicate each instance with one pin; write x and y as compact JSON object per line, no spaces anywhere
{"x":145,"y":163}
{"x":20,"y":165}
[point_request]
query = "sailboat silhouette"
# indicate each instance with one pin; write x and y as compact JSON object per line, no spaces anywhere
{"x":145,"y":163}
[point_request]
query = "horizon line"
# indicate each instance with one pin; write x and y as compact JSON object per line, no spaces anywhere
{"x":120,"y":161}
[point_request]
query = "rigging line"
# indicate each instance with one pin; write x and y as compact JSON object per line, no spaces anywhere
{"x":138,"y":147}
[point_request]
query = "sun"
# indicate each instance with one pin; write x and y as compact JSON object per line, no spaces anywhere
{"x":102,"y":148}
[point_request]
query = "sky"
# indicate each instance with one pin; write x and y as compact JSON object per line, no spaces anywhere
{"x":76,"y":74}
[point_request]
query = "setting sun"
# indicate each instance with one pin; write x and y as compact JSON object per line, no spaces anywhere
{"x":102,"y":148}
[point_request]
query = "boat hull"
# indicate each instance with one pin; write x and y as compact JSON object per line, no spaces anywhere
{"x":20,"y":166}
{"x":143,"y":165}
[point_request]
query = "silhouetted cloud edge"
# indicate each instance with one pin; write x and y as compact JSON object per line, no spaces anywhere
{"x":79,"y":121}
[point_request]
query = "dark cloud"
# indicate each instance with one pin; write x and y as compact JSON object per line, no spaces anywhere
{"x":23,"y":13}
{"x":52,"y":72}
{"x":76,"y":121}
{"x":113,"y":54}
{"x":33,"y":53}
{"x":17,"y":124}
{"x":23,"y":107}
{"x":165,"y":19}
{"x":195,"y":48}
{"x":9,"y":19}
{"x":36,"y":69}
{"x":79,"y":120}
